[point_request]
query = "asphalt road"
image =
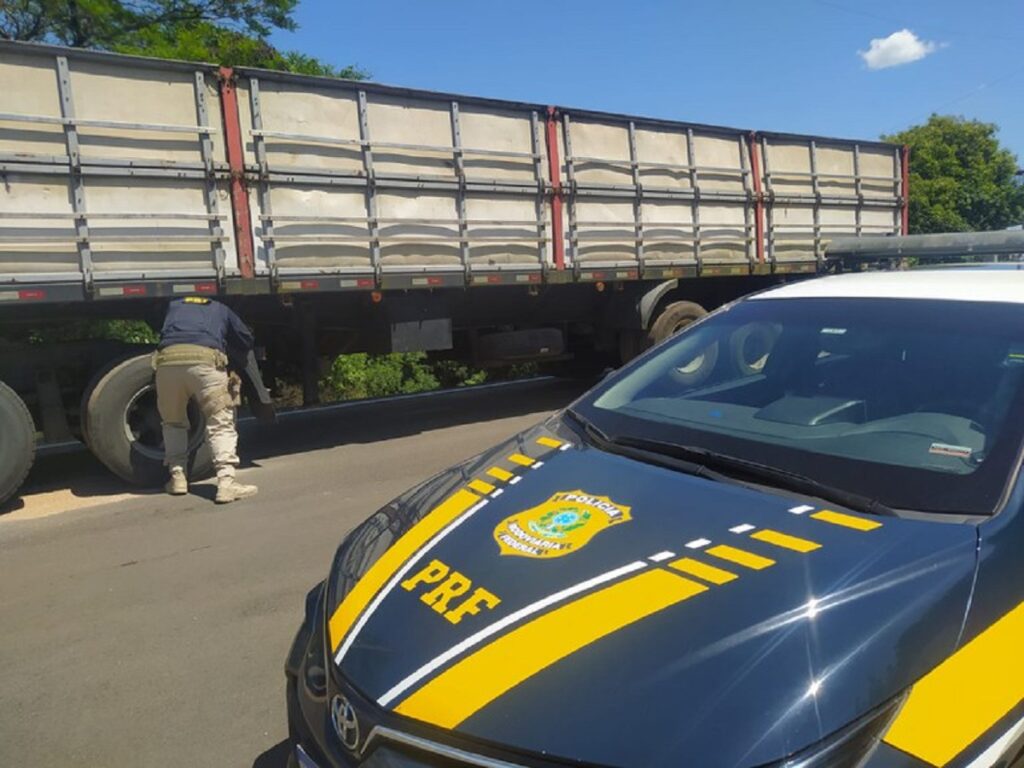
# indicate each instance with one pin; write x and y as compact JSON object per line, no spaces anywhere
{"x":148,"y":630}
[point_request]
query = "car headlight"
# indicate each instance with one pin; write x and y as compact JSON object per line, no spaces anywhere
{"x":360,"y":550}
{"x":372,"y":538}
{"x":848,"y":747}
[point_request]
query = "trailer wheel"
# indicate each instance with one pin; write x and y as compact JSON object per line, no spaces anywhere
{"x":121,"y":425}
{"x":17,"y":442}
{"x":672,"y":319}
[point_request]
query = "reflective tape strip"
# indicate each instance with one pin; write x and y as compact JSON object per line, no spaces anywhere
{"x":481,"y":487}
{"x":518,"y":458}
{"x":548,"y":442}
{"x":516,"y":616}
{"x":477,"y":680}
{"x":785,"y":541}
{"x":847,"y":521}
{"x":989,"y":757}
{"x":703,"y":570}
{"x":500,"y":474}
{"x":957,"y":702}
{"x":392,"y":560}
{"x":740,"y":557}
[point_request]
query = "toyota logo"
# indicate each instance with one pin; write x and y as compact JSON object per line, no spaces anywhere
{"x":346,"y":724}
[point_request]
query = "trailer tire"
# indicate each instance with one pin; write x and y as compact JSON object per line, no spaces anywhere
{"x":122,"y":426}
{"x":17,"y":442}
{"x":672,"y":319}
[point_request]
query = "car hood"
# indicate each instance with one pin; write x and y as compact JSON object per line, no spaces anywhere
{"x":558,"y":599}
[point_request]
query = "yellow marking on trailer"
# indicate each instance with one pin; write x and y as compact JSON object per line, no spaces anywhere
{"x":785,"y":541}
{"x":549,"y":442}
{"x":740,"y":557}
{"x":477,"y":680}
{"x":845,"y":520}
{"x":481,"y":487}
{"x":523,"y":461}
{"x":952,"y":706}
{"x":500,"y":474}
{"x":703,"y":571}
{"x":394,"y":558}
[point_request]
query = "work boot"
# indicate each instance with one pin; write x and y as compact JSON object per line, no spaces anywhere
{"x":229,"y":489}
{"x":178,"y":484}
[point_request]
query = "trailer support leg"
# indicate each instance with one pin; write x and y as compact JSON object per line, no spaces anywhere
{"x":51,"y":407}
{"x":310,"y":358}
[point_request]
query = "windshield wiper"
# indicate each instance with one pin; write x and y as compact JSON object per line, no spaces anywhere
{"x":780,"y":478}
{"x":640,"y":453}
{"x":724,"y":468}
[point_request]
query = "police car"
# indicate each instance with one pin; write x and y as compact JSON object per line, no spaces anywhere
{"x":791,"y":535}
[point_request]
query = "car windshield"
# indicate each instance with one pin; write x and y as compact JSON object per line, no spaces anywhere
{"x":913,"y":403}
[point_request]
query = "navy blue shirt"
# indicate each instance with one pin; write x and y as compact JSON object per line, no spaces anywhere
{"x":208,"y":323}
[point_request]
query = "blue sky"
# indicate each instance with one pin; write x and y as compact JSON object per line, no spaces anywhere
{"x":804,"y":66}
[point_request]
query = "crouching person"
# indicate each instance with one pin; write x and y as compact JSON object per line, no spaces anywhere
{"x":199,"y":338}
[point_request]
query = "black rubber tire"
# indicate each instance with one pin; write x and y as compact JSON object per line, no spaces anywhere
{"x":17,"y":442}
{"x":672,"y":319}
{"x":117,"y":402}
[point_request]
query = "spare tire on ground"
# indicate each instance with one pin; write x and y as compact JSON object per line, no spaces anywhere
{"x":17,"y":442}
{"x":121,"y":425}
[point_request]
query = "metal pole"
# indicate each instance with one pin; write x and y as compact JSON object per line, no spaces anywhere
{"x":555,"y":172}
{"x":210,"y":187}
{"x":67,"y":109}
{"x":236,"y":163}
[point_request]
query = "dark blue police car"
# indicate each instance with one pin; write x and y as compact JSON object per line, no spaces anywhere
{"x":792,"y":535}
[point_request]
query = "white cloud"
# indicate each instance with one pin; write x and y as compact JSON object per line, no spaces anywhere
{"x":898,"y":48}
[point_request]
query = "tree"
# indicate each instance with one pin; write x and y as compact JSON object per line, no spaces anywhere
{"x":961,"y":179}
{"x":205,"y":41}
{"x":232,"y":32}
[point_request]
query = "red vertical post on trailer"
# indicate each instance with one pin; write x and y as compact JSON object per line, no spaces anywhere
{"x":236,"y":164}
{"x":905,"y":186}
{"x":755,"y":176}
{"x":555,"y":172}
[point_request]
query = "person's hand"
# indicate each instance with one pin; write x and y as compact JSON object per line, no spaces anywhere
{"x":235,"y":388}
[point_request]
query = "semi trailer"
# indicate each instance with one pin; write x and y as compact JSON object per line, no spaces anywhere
{"x":339,"y":216}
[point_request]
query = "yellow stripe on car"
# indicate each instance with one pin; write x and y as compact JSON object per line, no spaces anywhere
{"x":481,"y":487}
{"x":394,"y":558}
{"x":500,"y":474}
{"x":523,"y":461}
{"x":477,"y":680}
{"x":702,"y":570}
{"x":957,"y":702}
{"x":785,"y":541}
{"x":845,"y":520}
{"x":548,"y":442}
{"x":740,"y":557}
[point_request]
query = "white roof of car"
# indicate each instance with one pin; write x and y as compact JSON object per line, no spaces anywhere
{"x":986,"y":285}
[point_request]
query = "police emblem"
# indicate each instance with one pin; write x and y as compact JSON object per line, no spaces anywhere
{"x":560,"y":526}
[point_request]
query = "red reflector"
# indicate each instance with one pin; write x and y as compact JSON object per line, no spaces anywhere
{"x":134,"y":290}
{"x":534,"y":278}
{"x":631,"y":275}
{"x":205,"y":287}
{"x":494,"y":278}
{"x":597,"y":275}
{"x":31,"y":295}
{"x":364,"y":283}
{"x":434,"y":281}
{"x":309,"y":285}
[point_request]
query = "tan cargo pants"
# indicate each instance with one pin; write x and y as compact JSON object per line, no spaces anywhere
{"x":176,"y":384}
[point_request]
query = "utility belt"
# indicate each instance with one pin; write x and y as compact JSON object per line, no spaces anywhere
{"x":190,"y":354}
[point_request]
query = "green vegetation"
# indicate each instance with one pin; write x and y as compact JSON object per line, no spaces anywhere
{"x":961,"y":178}
{"x":359,"y":375}
{"x":128,"y":331}
{"x":230,"y":32}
